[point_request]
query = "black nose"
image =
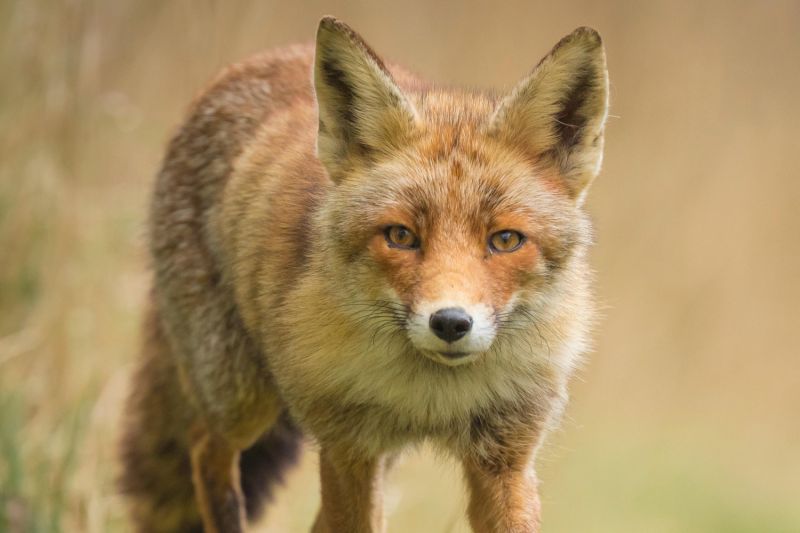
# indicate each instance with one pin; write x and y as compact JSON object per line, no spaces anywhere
{"x":451,"y":324}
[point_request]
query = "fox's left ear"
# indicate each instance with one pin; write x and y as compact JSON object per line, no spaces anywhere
{"x":557,"y":114}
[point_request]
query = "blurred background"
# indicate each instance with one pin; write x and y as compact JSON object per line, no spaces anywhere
{"x":685,"y":419}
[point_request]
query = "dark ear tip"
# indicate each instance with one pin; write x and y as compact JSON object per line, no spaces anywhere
{"x":329,"y":29}
{"x":328,"y":21}
{"x":587,"y":35}
{"x":334,"y":25}
{"x":333,"y":30}
{"x":585,"y":38}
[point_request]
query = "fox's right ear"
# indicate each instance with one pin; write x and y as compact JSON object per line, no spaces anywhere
{"x":362,"y":112}
{"x":558,"y":113}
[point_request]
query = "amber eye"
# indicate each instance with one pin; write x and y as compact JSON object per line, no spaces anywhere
{"x":507,"y":240}
{"x":401,"y":237}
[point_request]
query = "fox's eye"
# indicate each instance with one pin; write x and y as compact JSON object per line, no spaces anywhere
{"x":401,"y":237}
{"x":507,"y":240}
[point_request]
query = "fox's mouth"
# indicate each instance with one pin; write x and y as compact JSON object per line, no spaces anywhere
{"x":450,"y":358}
{"x":454,"y":355}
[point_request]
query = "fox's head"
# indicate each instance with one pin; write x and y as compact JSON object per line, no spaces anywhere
{"x":456,"y":215}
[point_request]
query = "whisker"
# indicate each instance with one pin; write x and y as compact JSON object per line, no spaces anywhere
{"x":383,"y":318}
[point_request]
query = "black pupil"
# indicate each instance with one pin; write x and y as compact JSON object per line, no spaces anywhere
{"x":402,"y":233}
{"x":505,"y":237}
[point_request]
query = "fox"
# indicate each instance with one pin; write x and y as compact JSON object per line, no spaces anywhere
{"x":346,"y":253}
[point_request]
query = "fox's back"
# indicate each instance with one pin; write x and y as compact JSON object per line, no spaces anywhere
{"x":221,"y":124}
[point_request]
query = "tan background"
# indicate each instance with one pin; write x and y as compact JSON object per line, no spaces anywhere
{"x":686,"y":419}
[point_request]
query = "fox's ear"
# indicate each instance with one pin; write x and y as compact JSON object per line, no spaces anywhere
{"x":557,"y":114}
{"x":362,"y":112}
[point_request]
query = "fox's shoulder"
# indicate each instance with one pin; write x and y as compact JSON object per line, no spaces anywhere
{"x":280,"y":75}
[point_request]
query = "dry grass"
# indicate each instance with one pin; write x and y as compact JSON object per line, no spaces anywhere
{"x":687,"y":417}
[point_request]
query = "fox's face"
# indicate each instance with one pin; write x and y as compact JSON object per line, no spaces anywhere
{"x":450,"y":240}
{"x":453,"y":211}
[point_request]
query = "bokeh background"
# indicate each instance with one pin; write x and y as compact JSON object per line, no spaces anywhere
{"x":686,"y":418}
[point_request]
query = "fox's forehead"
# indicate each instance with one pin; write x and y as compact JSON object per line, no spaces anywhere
{"x":453,"y":166}
{"x":467,"y":111}
{"x":461,"y":186}
{"x":451,"y":137}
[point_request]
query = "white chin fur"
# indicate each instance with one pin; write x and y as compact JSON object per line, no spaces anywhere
{"x":478,"y":340}
{"x":451,"y":361}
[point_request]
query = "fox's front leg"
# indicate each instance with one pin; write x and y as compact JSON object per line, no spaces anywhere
{"x":352,"y":499}
{"x":498,"y":468}
{"x":502,"y":500}
{"x":215,"y":474}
